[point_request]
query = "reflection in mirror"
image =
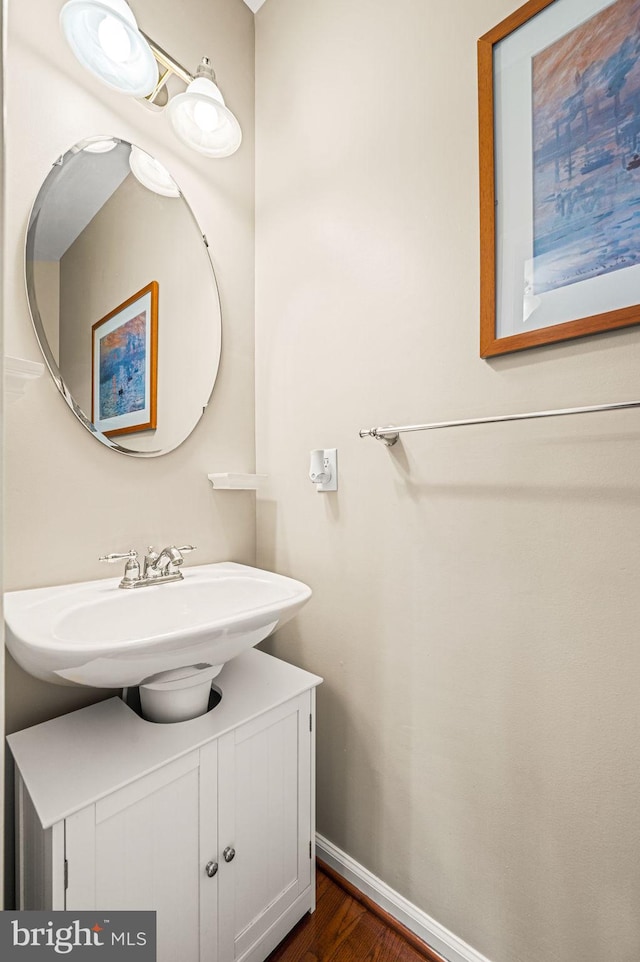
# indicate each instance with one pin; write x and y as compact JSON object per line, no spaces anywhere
{"x":123,"y":296}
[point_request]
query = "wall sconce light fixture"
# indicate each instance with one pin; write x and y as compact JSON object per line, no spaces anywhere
{"x":106,"y":39}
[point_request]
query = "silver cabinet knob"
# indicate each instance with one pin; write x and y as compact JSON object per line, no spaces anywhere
{"x":229,"y":854}
{"x":211,"y":868}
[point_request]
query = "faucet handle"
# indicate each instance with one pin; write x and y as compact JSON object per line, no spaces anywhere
{"x":131,"y":569}
{"x":114,"y":556}
{"x":186,"y":548}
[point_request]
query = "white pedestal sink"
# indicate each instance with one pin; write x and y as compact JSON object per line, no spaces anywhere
{"x":170,"y":639}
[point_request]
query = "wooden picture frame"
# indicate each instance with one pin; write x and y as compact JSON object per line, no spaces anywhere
{"x":124,"y":366}
{"x":559,"y":173}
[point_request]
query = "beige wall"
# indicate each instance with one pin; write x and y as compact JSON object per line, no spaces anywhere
{"x":46,"y":279}
{"x":68,"y":498}
{"x":2,"y":652}
{"x":476,"y":605}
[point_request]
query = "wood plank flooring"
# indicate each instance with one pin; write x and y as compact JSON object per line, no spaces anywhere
{"x":345,"y":929}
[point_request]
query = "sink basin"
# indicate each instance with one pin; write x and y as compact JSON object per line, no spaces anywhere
{"x":171,"y":639}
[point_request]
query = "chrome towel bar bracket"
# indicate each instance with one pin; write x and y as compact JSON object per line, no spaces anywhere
{"x":390,"y":434}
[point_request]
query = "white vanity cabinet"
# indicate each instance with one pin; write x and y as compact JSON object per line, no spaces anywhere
{"x":209,"y":822}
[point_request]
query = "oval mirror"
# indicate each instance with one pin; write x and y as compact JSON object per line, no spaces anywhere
{"x":123,"y":296}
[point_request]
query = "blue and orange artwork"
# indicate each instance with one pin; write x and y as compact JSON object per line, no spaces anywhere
{"x":123,"y":368}
{"x":586,"y":150}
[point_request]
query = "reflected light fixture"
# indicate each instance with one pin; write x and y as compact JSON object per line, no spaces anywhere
{"x":105,"y":38}
{"x":99,"y":145}
{"x":151,"y":173}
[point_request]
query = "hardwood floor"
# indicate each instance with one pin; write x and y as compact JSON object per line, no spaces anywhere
{"x":345,"y":929}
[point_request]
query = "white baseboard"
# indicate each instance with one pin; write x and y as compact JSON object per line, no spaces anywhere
{"x":448,"y":945}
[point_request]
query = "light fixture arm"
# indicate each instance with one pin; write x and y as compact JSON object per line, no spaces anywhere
{"x":167,"y":61}
{"x":173,"y":68}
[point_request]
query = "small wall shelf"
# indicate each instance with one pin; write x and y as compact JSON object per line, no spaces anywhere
{"x":18,"y":373}
{"x":237,"y":482}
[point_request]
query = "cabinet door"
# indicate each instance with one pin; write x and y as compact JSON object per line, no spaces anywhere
{"x":264,"y":797}
{"x":138,"y":848}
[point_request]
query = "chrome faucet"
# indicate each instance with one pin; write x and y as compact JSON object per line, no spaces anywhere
{"x":159,"y":567}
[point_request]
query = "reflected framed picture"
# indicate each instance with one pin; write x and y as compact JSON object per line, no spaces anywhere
{"x":124,"y":366}
{"x":559,"y":112}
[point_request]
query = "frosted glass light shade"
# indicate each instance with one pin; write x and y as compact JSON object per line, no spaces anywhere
{"x":201,"y":120}
{"x":151,"y":173}
{"x":104,"y":36}
{"x":99,"y":145}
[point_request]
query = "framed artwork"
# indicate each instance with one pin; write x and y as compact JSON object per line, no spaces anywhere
{"x":559,"y":112}
{"x":124,"y":366}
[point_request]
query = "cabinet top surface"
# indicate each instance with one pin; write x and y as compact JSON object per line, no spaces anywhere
{"x":71,"y":761}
